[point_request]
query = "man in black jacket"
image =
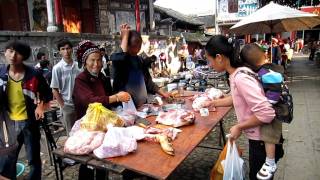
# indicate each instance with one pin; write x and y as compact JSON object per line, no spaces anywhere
{"x":128,"y":72}
{"x":24,"y":94}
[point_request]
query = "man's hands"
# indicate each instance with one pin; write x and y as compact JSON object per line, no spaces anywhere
{"x":39,"y":112}
{"x":163,"y":94}
{"x":124,"y":35}
{"x":57,"y":95}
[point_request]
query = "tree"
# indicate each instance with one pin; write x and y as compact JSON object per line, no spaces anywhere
{"x":291,"y":3}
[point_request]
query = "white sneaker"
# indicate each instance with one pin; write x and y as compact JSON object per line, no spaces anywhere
{"x":266,"y":172}
{"x":68,"y":161}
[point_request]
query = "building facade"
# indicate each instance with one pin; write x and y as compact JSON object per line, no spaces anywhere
{"x":73,"y":16}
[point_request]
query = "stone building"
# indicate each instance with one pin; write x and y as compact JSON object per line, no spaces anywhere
{"x":36,"y":22}
{"x":85,"y":16}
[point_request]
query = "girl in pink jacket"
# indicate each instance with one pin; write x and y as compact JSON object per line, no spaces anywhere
{"x":247,"y":96}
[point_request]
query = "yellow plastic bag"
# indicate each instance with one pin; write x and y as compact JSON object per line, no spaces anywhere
{"x":98,"y":117}
{"x":217,"y":170}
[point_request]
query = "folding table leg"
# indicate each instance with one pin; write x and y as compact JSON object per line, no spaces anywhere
{"x":60,"y":168}
{"x":57,"y":165}
{"x":222,"y":134}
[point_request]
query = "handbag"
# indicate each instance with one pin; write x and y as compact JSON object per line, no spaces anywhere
{"x":217,"y":170}
{"x":8,"y":143}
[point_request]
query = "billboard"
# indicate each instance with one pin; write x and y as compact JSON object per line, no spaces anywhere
{"x":311,"y":9}
{"x":235,"y":9}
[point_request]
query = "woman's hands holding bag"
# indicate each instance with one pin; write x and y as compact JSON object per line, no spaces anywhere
{"x":235,"y":132}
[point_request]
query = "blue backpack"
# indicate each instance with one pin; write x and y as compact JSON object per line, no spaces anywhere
{"x":284,"y":107}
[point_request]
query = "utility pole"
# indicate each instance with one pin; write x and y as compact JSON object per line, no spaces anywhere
{"x":151,"y":15}
{"x":216,"y":28}
{"x":137,"y":12}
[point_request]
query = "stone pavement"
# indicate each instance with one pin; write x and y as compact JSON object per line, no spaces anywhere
{"x":302,"y":145}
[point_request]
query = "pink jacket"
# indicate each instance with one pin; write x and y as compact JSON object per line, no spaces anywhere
{"x":249,"y":99}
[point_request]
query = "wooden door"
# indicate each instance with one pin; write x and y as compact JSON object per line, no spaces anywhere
{"x":88,"y":16}
{"x":9,"y":15}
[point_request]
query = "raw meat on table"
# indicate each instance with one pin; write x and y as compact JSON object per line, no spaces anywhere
{"x":176,"y":117}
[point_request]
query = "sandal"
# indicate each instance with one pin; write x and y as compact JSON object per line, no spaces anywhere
{"x":266,"y":172}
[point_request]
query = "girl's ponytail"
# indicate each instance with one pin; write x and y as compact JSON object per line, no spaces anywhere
{"x":228,"y":47}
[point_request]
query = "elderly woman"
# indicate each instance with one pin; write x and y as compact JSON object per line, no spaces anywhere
{"x":92,"y":86}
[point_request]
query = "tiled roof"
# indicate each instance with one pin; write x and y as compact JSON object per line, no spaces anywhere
{"x":179,"y":16}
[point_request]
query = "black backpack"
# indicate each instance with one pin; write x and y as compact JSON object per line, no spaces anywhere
{"x":284,"y":107}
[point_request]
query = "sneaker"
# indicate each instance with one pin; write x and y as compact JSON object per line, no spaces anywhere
{"x":68,"y":161}
{"x":266,"y":172}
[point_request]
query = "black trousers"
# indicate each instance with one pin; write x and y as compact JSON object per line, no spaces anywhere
{"x":257,"y":156}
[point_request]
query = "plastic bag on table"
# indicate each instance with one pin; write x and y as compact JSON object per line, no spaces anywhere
{"x":76,"y":127}
{"x":119,"y":141}
{"x":217,"y":170}
{"x":83,"y":142}
{"x":214,"y":93}
{"x":98,"y":117}
{"x":129,"y":106}
{"x":128,"y":118}
{"x":233,"y":164}
{"x":199,"y":102}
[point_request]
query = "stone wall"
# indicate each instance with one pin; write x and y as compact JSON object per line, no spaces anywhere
{"x":103,"y":15}
{"x":46,"y":42}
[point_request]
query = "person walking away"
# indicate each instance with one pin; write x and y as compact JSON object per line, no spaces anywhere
{"x":106,"y":62}
{"x":62,"y":83}
{"x":288,"y":51}
{"x":163,"y":60}
{"x":24,"y":95}
{"x":183,"y":54}
{"x":276,"y":51}
{"x":45,"y":71}
{"x":40,"y":57}
{"x":313,"y":49}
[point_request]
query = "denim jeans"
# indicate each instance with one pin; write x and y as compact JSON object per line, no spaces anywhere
{"x":28,"y":133}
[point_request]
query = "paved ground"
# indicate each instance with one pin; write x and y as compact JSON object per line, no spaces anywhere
{"x":302,"y":145}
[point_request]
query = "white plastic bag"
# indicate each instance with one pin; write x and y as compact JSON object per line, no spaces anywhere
{"x":129,"y":106}
{"x":83,"y":142}
{"x":119,"y":141}
{"x":233,"y":164}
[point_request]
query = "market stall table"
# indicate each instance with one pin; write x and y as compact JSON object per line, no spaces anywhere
{"x":150,"y":160}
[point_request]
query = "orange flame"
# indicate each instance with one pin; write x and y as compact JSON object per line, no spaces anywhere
{"x":71,"y":26}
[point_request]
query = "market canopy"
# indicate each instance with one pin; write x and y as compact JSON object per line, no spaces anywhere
{"x":274,"y":18}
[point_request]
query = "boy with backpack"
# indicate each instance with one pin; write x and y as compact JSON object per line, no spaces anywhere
{"x":272,"y":79}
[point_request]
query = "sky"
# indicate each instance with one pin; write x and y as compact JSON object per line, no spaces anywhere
{"x":189,"y":7}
